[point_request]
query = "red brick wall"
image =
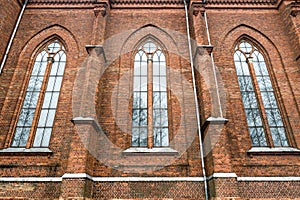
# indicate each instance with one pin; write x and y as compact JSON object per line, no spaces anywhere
{"x":76,"y":28}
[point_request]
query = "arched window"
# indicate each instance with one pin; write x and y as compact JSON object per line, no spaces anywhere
{"x":263,"y":115}
{"x":150,"y":109}
{"x":37,"y":114}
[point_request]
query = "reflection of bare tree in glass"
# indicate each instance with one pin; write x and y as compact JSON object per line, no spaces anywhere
{"x":150,"y":59}
{"x":252,"y":70}
{"x":56,"y":51}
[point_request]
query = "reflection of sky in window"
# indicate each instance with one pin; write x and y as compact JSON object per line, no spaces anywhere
{"x":149,"y":51}
{"x":46,"y":119}
{"x":249,"y":97}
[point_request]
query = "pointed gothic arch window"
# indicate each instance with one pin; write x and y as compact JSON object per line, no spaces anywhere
{"x":263,"y":115}
{"x":150,"y":109}
{"x":36,"y":118}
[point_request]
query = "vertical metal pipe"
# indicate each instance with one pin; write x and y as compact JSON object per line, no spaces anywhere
{"x":13,"y":36}
{"x":196,"y":101}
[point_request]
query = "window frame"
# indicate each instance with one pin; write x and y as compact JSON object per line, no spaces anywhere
{"x":41,"y":97}
{"x":258,"y":94}
{"x":150,"y":143}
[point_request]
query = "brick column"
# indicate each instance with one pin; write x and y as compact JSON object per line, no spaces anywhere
{"x":76,"y":182}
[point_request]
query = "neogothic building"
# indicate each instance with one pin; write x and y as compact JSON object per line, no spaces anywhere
{"x":150,"y":99}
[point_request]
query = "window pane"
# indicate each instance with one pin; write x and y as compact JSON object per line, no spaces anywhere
{"x":137,"y":68}
{"x":135,"y":137}
{"x":144,"y":84}
{"x":57,"y":85}
{"x":136,"y":100}
{"x":38,"y":137}
{"x":163,"y":69}
{"x":20,"y":137}
{"x":54,"y":99}
{"x":43,"y":118}
{"x":135,"y":118}
{"x":155,"y":68}
{"x":156,"y":83}
{"x":157,"y":136}
{"x":50,"y":84}
{"x":50,"y":118}
{"x":143,"y":117}
{"x":143,"y":136}
{"x":156,"y":100}
{"x":143,"y":100}
{"x":46,"y":138}
{"x":144,"y":68}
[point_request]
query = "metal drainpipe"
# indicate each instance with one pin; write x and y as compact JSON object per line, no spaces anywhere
{"x":213,"y":65}
{"x":13,"y":36}
{"x":196,"y":100}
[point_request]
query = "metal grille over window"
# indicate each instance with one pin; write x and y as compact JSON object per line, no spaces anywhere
{"x":41,"y":97}
{"x":150,"y":118}
{"x":258,"y":97}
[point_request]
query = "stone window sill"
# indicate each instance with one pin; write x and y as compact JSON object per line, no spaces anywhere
{"x":273,"y":151}
{"x":20,"y":151}
{"x":158,"y":151}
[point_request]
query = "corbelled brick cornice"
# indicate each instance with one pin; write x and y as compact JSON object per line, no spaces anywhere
{"x":241,"y":1}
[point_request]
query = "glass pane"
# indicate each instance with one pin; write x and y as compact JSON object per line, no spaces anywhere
{"x":163,"y":100}
{"x":43,"y":118}
{"x":136,"y":100}
{"x":143,"y":100}
{"x":50,"y":84}
{"x":17,"y":136}
{"x":135,"y":118}
{"x":46,"y":138}
{"x":144,"y":84}
{"x":50,"y":118}
{"x":249,"y":99}
{"x":163,"y":69}
{"x":135,"y":137}
{"x":35,"y":83}
{"x":156,"y":83}
{"x":54,"y":68}
{"x":31,"y":99}
{"x":54,"y":99}
{"x":54,"y":47}
{"x":155,"y":68}
{"x":38,"y":137}
{"x":157,"y":136}
{"x":143,"y":117}
{"x":156,"y":100}
{"x":163,"y":83}
{"x":164,"y":137}
{"x":245,"y":68}
{"x":26,"y":117}
{"x":246,"y":47}
{"x":144,"y":69}
{"x":155,"y":58}
{"x":162,"y":57}
{"x":164,"y":117}
{"x":21,"y":137}
{"x":137,"y":69}
{"x":47,"y":100}
{"x":156,"y":117}
{"x":136,"y":86}
{"x":57,"y":85}
{"x":143,"y":136}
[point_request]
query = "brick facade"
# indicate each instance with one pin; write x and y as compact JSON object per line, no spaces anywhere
{"x":90,"y":155}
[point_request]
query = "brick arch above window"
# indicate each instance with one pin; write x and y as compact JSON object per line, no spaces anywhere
{"x":22,"y":72}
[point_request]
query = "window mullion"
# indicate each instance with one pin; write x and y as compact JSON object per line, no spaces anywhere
{"x":39,"y":103}
{"x":260,"y":103}
{"x":150,"y":101}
